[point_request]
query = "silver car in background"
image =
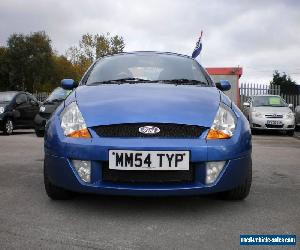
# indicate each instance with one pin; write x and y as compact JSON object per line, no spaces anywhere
{"x":269,"y":112}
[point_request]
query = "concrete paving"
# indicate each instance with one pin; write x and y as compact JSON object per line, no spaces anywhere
{"x":30,"y":220}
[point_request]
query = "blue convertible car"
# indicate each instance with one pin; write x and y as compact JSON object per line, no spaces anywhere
{"x":147,"y":124}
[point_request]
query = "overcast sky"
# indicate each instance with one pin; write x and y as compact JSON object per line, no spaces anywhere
{"x":259,"y":36}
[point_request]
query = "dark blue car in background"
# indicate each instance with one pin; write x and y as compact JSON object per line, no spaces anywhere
{"x":147,"y":124}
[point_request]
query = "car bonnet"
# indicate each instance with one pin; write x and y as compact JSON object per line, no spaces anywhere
{"x":153,"y":103}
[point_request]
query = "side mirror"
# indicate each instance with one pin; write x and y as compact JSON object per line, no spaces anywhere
{"x":68,"y":84}
{"x":291,"y":105}
{"x":33,"y":102}
{"x":246,"y":104}
{"x":223,"y":85}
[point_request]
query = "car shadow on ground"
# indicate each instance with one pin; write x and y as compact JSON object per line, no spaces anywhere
{"x":273,"y":133}
{"x":174,"y":206}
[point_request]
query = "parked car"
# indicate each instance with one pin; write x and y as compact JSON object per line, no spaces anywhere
{"x":269,"y":112}
{"x":148,"y":124}
{"x":17,"y":111}
{"x":297,"y":115}
{"x":47,"y":108}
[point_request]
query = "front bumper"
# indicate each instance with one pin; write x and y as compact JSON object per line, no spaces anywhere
{"x":261,"y":123}
{"x":62,"y":173}
{"x":60,"y":150}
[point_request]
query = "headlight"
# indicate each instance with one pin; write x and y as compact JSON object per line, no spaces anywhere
{"x":42,"y":109}
{"x":224,"y":124}
{"x":1,"y":110}
{"x":290,"y":115}
{"x":72,"y":122}
{"x":257,"y":114}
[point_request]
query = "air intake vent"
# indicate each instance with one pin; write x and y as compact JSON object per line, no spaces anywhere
{"x":144,"y":176}
{"x":166,"y":130}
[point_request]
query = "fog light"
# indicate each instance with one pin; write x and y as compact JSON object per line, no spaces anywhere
{"x":213,"y":169}
{"x":83,"y":169}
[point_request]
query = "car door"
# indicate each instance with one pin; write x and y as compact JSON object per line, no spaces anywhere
{"x":18,"y":111}
{"x":22,"y":111}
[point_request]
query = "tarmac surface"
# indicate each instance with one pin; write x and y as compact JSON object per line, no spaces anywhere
{"x":30,"y":220}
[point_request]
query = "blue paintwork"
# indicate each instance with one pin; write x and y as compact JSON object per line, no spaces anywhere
{"x":68,"y":84}
{"x":223,"y":85}
{"x":127,"y":103}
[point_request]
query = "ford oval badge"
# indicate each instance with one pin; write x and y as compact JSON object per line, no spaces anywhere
{"x":149,"y":130}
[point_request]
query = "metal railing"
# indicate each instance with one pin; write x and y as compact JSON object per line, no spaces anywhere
{"x":250,"y":89}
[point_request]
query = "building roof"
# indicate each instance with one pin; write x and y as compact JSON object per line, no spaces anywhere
{"x":226,"y":71}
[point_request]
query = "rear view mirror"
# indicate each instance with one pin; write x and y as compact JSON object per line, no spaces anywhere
{"x":246,"y":104}
{"x":68,"y":84}
{"x":33,"y":102}
{"x":223,"y":85}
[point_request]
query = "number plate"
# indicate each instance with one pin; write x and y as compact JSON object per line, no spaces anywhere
{"x":274,"y":122}
{"x":148,"y":160}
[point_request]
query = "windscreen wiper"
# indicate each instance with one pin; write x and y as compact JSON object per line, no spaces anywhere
{"x":122,"y":81}
{"x":57,"y":100}
{"x":183,"y":81}
{"x":133,"y":80}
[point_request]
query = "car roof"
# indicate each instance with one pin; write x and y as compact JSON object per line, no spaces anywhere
{"x":16,"y":92}
{"x":9,"y":92}
{"x":148,"y":52}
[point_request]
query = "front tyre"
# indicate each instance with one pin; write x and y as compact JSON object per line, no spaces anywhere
{"x":290,"y":132}
{"x":39,"y":133}
{"x":240,"y":192}
{"x":54,"y":192}
{"x":8,"y":127}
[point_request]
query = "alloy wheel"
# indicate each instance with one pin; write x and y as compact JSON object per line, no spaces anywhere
{"x":9,"y":127}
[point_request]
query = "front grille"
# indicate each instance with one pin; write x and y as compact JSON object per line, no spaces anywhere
{"x":168,"y":130}
{"x":274,"y":116}
{"x":274,"y":126}
{"x":147,"y":176}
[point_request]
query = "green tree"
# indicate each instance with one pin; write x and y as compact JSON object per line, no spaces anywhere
{"x":62,"y":68}
{"x":4,"y":69}
{"x":17,"y":59}
{"x":92,"y":47}
{"x":287,"y":85}
{"x":29,"y":63}
{"x":30,"y":60}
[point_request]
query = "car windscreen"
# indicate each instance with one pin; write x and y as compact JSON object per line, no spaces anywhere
{"x":149,"y":67}
{"x":271,"y":101}
{"x":6,"y":96}
{"x":58,"y":94}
